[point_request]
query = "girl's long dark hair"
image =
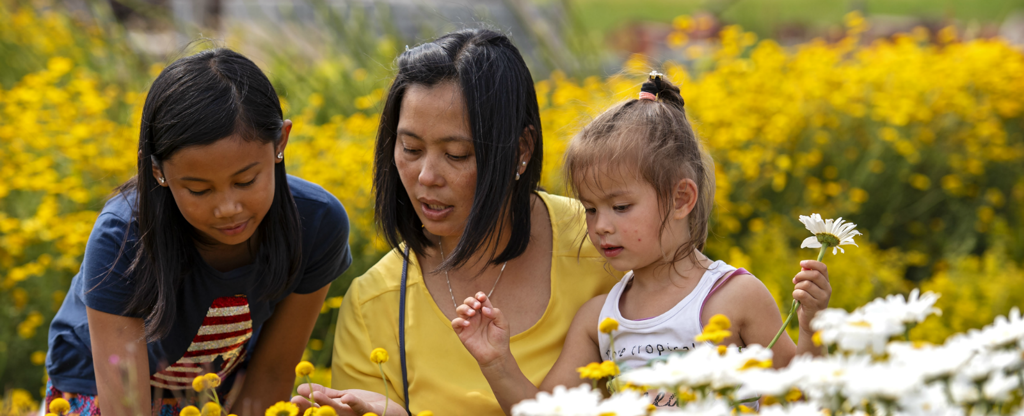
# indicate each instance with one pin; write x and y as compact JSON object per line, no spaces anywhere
{"x":502,"y":104}
{"x":197,"y":101}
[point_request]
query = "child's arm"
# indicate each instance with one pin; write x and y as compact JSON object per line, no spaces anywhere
{"x":123,"y":337}
{"x":756,"y":317}
{"x":485,"y":333}
{"x":270,"y":375}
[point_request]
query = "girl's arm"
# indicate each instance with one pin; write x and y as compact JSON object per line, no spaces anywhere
{"x":485,"y":333}
{"x":756,"y":317}
{"x":271,"y":373}
{"x":125,"y":338}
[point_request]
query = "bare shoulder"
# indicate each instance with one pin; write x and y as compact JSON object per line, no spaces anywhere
{"x":741,"y":296}
{"x":588,"y":314}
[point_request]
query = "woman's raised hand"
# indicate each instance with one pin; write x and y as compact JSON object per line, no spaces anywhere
{"x":482,"y":328}
{"x":346,"y":402}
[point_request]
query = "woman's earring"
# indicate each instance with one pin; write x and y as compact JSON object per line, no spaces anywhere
{"x":517,"y":175}
{"x":162,"y":180}
{"x":280,"y":155}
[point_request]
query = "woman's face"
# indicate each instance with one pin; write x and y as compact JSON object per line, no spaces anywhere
{"x":223,"y":189}
{"x":435,"y":156}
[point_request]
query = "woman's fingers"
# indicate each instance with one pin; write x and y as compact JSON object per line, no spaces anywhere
{"x":458,"y":324}
{"x":304,"y":388}
{"x":465,"y":311}
{"x":338,"y":404}
{"x":301,"y":402}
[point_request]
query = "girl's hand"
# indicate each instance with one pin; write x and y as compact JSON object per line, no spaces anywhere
{"x":813,"y":291}
{"x":347,"y":402}
{"x":482,"y":328}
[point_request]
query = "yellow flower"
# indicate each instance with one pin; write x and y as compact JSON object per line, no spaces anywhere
{"x":608,"y":325}
{"x":326,"y":411}
{"x":722,"y":349}
{"x":189,"y":411}
{"x":379,"y":356}
{"x":304,"y":368}
{"x":211,"y":409}
{"x":609,"y":369}
{"x":282,"y":409}
{"x":369,"y":414}
{"x":794,"y":395}
{"x":720,"y":321}
{"x":712,"y":335}
{"x":310,"y":411}
{"x":212,"y":380}
{"x":816,"y":339}
{"x":770,"y":400}
{"x":754,"y":363}
{"x":425,"y":413}
{"x":199,"y":383}
{"x":60,"y":406}
{"x":745,"y":409}
{"x":591,"y":371}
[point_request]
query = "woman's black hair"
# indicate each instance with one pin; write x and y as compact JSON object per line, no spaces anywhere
{"x":502,"y":105}
{"x":196,"y":101}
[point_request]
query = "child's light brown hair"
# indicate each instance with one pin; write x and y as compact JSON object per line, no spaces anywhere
{"x":654,"y":140}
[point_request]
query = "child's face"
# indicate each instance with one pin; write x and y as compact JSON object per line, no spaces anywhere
{"x":624,"y":220}
{"x":223,"y":189}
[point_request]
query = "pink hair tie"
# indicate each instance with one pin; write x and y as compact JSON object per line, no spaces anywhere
{"x":644,"y":95}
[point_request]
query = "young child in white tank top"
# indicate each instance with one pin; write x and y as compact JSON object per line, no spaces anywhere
{"x":647,"y":187}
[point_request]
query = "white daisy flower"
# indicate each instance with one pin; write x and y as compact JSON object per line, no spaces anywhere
{"x":577,"y":401}
{"x":880,"y":381}
{"x":625,"y":403}
{"x":929,"y":401}
{"x":834,"y":233}
{"x":932,"y":362}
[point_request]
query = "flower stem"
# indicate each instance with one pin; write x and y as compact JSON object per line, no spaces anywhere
{"x":792,"y":311}
{"x":796,"y":304}
{"x":310,"y":384}
{"x":385,"y":378}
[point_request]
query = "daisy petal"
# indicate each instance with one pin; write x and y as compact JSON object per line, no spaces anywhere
{"x":810,"y":242}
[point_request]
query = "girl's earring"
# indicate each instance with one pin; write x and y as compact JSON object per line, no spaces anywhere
{"x":280,"y":155}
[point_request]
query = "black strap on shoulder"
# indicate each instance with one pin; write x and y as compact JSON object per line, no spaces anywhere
{"x":401,"y":328}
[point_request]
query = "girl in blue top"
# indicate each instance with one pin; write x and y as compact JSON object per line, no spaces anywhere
{"x":211,"y":259}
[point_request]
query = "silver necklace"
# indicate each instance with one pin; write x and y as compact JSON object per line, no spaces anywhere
{"x":446,"y":280}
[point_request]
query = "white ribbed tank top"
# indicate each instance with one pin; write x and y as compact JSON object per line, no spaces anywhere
{"x":637,"y":342}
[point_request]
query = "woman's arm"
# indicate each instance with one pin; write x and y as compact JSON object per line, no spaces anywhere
{"x":271,"y":373}
{"x":484,"y":331}
{"x":120,"y":393}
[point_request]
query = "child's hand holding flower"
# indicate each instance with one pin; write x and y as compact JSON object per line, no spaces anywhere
{"x":812,"y":289}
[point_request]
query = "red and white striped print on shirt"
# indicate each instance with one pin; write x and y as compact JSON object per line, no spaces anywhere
{"x":225,"y":330}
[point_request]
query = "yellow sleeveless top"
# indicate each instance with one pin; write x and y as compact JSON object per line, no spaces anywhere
{"x":443,"y":376}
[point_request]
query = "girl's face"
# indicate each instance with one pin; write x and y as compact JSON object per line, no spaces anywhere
{"x":224,"y":189}
{"x":624,"y":220}
{"x":435,"y":157}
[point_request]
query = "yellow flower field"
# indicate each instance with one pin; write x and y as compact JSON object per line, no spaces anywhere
{"x":918,"y":139}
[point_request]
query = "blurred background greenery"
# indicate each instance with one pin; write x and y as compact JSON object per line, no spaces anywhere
{"x":904,"y":116}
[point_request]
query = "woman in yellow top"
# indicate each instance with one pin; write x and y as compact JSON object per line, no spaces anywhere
{"x":457,"y":166}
